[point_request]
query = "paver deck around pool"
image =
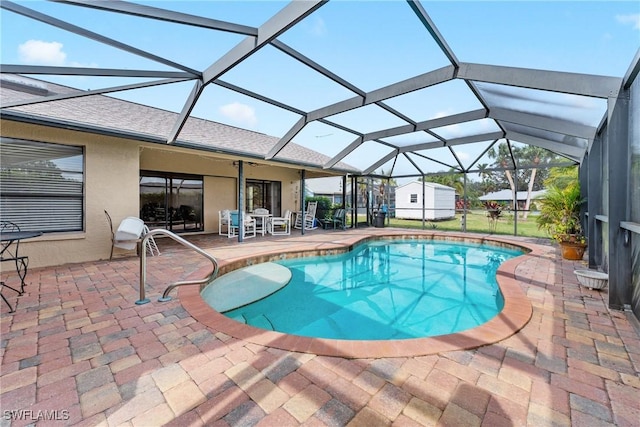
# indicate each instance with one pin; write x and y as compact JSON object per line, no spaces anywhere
{"x":79,"y":351}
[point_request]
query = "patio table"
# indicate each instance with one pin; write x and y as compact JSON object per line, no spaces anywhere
{"x":263,"y":218}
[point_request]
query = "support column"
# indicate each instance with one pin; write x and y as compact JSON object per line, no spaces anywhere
{"x":344,"y":200}
{"x":388,"y":202}
{"x":619,"y":196}
{"x":464,"y":205}
{"x":423,"y":203}
{"x":354,"y":202}
{"x":240,"y":201}
{"x":303,"y":206}
{"x":591,"y":184}
{"x":515,"y":200}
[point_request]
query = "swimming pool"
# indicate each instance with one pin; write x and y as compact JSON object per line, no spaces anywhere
{"x":382,"y":290}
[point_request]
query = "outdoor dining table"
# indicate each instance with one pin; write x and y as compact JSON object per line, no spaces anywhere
{"x":263,"y":218}
{"x":11,"y":239}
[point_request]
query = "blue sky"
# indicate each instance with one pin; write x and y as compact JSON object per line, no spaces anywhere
{"x":371,"y":44}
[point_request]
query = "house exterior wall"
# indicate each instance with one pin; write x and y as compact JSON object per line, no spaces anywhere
{"x":439,"y":202}
{"x":111,"y":180}
{"x":220,"y":178}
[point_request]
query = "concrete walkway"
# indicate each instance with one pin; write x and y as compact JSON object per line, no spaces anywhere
{"x":79,"y":351}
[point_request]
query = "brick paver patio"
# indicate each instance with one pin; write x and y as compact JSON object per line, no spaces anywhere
{"x":79,"y":351}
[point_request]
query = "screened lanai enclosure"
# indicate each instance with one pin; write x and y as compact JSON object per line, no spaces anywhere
{"x":388,"y":90}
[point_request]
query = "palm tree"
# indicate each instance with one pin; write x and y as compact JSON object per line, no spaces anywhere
{"x":502,"y":156}
{"x":486,"y":177}
{"x":535,"y":154}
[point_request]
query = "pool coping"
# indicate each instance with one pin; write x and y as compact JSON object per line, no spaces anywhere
{"x":514,"y":316}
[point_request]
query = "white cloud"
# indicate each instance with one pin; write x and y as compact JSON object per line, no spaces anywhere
{"x":239,"y":113}
{"x":38,"y":52}
{"x":463,"y":155}
{"x":633,"y":19}
{"x":318,"y":28}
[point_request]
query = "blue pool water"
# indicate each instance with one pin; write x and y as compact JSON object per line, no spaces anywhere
{"x":385,"y":290}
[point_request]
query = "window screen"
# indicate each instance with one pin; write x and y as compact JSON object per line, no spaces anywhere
{"x":41,"y":185}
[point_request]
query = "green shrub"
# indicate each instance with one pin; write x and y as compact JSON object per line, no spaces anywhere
{"x":324,"y":206}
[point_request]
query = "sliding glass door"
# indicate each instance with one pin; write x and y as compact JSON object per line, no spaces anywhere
{"x":263,"y":194}
{"x":171,"y":201}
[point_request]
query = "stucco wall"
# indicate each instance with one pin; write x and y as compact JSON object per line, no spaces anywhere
{"x":112,"y":172}
{"x":220,"y":178}
{"x":111,"y":183}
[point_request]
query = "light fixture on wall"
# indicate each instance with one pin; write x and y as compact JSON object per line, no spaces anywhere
{"x":237,"y":162}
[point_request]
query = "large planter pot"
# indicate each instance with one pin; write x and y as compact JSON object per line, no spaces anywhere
{"x":573,"y":251}
{"x":592,"y":279}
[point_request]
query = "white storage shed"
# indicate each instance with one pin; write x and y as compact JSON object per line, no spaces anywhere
{"x":439,"y":201}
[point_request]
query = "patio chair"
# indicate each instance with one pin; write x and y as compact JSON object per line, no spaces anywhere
{"x":224,"y":219}
{"x":249,"y":226}
{"x":130,"y":232}
{"x":338,"y":218}
{"x":10,"y":253}
{"x":281,"y":225}
{"x":152,"y":247}
{"x":309,"y":219}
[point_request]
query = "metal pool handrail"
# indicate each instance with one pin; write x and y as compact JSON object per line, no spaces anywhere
{"x":143,"y":265}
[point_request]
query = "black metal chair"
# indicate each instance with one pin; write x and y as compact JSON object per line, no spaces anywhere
{"x":9,"y":252}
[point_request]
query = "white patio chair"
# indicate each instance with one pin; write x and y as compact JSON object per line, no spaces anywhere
{"x":281,"y":225}
{"x":130,"y":232}
{"x":249,"y":226}
{"x":224,"y":219}
{"x":309,"y":219}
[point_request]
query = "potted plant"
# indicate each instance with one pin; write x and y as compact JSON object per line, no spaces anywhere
{"x":560,"y":217}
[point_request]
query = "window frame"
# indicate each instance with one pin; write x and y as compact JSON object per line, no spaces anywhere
{"x":45,"y":197}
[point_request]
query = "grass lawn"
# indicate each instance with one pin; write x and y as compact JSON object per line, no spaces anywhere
{"x":477,"y":221}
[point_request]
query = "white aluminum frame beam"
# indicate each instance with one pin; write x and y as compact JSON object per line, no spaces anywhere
{"x":417,"y":8}
{"x":287,"y":17}
{"x":80,"y":94}
{"x":30,"y":13}
{"x":455,"y":141}
{"x":426,"y":125}
{"x":101,"y":72}
{"x":421,"y":81}
{"x":542,"y":122}
{"x":404,"y":129}
{"x":381,"y":162}
{"x":554,"y":81}
{"x":573,"y":152}
{"x":342,"y":154}
{"x":163,"y":15}
{"x":453,"y":119}
{"x":315,"y":66}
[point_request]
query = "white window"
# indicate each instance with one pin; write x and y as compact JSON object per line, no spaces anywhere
{"x":413,"y":198}
{"x":42,"y":185}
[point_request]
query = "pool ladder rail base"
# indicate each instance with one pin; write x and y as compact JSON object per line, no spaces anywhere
{"x":143,"y":266}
